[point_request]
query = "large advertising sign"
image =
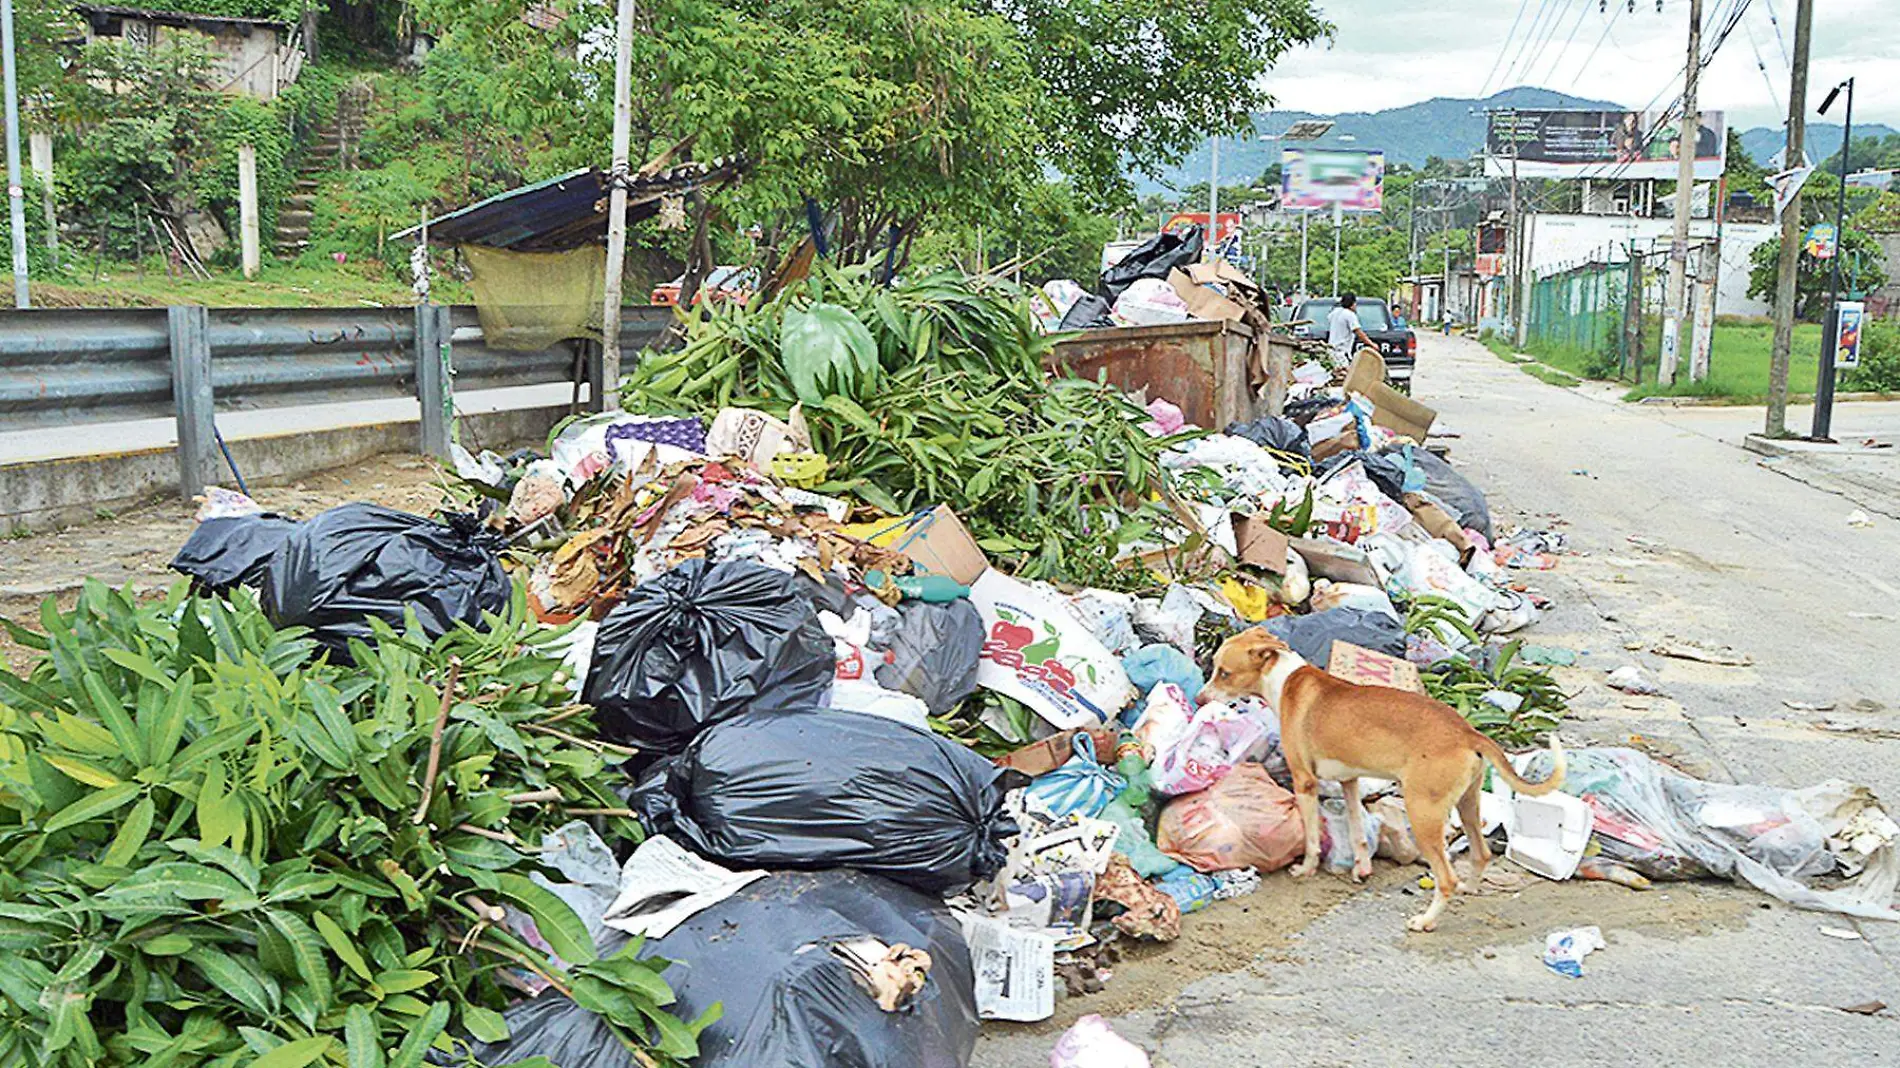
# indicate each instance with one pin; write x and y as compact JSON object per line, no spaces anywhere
{"x":1227,"y":225}
{"x":1599,"y":144}
{"x":1314,"y":178}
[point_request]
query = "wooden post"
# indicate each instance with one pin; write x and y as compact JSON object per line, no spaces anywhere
{"x":617,"y":209}
{"x":247,"y":209}
{"x":190,"y":329}
{"x":434,"y":374}
{"x":40,"y":152}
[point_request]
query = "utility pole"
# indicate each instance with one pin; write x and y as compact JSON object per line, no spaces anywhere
{"x":1338,"y":219}
{"x":1794,"y":156}
{"x":1213,"y":196}
{"x":1688,"y":131}
{"x":1830,"y":341}
{"x":1305,"y":215}
{"x":609,"y":399}
{"x":1515,"y":253}
{"x":1411,"y":243}
{"x":16,"y":193}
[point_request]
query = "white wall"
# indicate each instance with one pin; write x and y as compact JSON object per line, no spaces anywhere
{"x":1561,"y":241}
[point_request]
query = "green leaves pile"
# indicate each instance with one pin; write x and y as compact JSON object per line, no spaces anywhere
{"x":1463,"y":684}
{"x":932,"y":391}
{"x":216,"y":851}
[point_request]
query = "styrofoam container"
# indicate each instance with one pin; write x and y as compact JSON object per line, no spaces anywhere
{"x":1548,"y":834}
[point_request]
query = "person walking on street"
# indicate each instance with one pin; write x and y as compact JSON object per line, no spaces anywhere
{"x":1343,"y":332}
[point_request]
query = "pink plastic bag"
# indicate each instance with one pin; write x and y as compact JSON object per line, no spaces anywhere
{"x":1246,"y":820}
{"x":1196,"y":754}
{"x":1092,"y":1043}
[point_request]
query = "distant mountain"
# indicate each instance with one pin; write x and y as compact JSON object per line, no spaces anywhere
{"x":1823,"y":139}
{"x":1447,"y":127}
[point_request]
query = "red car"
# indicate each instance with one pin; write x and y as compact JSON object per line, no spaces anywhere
{"x":723,"y":284}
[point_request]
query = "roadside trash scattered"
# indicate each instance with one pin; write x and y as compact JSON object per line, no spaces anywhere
{"x":890,"y":636}
{"x":1667,"y":825}
{"x":701,"y":643}
{"x":1630,"y":679}
{"x":1092,"y":1043}
{"x":359,"y":560}
{"x":1564,"y":950}
{"x":820,"y":789}
{"x":1681,"y":649}
{"x":1858,"y":518}
{"x":1866,"y":1008}
{"x":231,"y":550}
{"x":1842,"y":933}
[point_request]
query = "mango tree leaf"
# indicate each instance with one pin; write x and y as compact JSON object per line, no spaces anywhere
{"x":564,"y":931}
{"x":486,"y":1025}
{"x":131,"y":835}
{"x":306,"y":950}
{"x":421,"y":1034}
{"x":296,"y":1054}
{"x":364,"y":1043}
{"x":253,"y":990}
{"x":340,"y":944}
{"x":107,"y":800}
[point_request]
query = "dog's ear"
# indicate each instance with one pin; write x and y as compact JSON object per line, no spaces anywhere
{"x":1265,"y":646}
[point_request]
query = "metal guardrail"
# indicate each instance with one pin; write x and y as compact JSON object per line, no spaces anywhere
{"x":68,"y":367}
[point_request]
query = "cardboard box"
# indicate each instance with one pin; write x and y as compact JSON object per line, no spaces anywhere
{"x":1369,"y":667}
{"x":1329,"y":559}
{"x":1260,"y":544}
{"x":1202,"y":302}
{"x":939,"y":543}
{"x":1390,"y":409}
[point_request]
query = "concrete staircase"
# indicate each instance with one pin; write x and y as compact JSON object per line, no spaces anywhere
{"x":333,"y":148}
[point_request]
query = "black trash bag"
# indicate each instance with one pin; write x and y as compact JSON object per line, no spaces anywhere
{"x":360,"y":560}
{"x":1303,"y":411}
{"x":1276,"y":433}
{"x":1154,"y":258}
{"x":1385,"y":473}
{"x":934,"y":654}
{"x":703,"y":642}
{"x":786,"y":1002}
{"x":231,"y":551}
{"x":1312,"y":636}
{"x":1463,"y":500}
{"x":1088,"y":313}
{"x":825,"y":789}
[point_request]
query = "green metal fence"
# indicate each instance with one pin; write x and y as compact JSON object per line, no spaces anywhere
{"x":1579,"y":313}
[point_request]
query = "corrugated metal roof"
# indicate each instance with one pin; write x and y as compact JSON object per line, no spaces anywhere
{"x":567,"y":211}
{"x":161,"y":15}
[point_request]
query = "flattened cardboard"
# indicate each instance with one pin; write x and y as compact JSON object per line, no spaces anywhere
{"x":1260,"y":544}
{"x":939,"y":543}
{"x":1369,"y":667}
{"x":1202,"y":302}
{"x":1329,"y":559}
{"x":1390,"y":409}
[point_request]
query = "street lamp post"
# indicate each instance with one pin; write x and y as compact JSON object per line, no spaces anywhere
{"x":1824,"y":383}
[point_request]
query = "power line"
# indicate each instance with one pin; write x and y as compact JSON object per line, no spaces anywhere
{"x":1543,"y":8}
{"x":1607,"y":27}
{"x":1556,"y":61}
{"x":1762,"y":65}
{"x":1505,"y":47}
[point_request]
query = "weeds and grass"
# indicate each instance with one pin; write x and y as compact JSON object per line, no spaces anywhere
{"x":1550,"y":376}
{"x":1530,"y":365}
{"x":277,"y":285}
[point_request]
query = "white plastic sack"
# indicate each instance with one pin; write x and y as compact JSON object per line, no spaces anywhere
{"x":1092,"y":1043}
{"x":1037,"y":651}
{"x":1191,"y":749}
{"x":1430,"y":568}
{"x":1151,"y":302}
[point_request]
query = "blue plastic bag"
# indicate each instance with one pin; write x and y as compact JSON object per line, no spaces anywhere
{"x":1152,"y":665}
{"x":1190,"y":889}
{"x":1081,"y":785}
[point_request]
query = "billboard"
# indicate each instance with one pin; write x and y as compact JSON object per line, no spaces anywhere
{"x":1313,"y":178}
{"x":1227,"y":224}
{"x":1599,"y":144}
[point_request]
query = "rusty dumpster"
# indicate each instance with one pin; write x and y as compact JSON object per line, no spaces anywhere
{"x":1216,"y":370}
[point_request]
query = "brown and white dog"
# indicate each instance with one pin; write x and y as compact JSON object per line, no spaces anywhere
{"x":1336,"y":730}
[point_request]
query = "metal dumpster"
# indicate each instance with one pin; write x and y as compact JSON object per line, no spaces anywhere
{"x":1214,"y":369}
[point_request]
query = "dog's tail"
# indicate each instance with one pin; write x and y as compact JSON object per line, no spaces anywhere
{"x":1489,"y":750}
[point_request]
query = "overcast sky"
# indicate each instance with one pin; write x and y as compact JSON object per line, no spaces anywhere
{"x":1395,"y":52}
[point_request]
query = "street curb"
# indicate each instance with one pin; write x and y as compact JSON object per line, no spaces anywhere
{"x":1733,"y":402}
{"x":1765,"y":446}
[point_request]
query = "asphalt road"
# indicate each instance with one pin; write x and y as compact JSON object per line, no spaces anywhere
{"x":1677,"y":532}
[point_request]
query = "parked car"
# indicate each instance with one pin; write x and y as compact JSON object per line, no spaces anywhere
{"x":722,"y":284}
{"x":1393,"y":336}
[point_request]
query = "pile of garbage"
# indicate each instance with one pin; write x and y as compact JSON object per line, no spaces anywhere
{"x":746,"y":727}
